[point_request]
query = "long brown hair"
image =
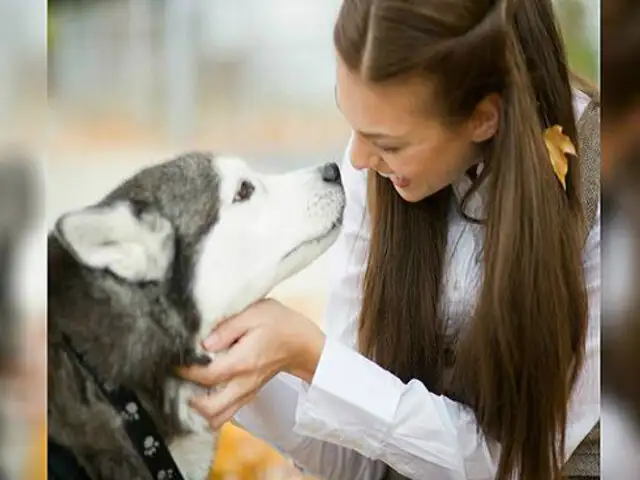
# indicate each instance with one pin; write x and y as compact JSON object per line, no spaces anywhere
{"x":516,"y":361}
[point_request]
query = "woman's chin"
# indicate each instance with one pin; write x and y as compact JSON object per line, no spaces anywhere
{"x":413,"y":194}
{"x":409,"y":194}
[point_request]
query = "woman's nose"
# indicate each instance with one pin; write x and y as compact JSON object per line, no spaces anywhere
{"x":362,"y":156}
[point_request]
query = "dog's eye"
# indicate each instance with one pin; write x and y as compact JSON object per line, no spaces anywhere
{"x":244,"y":192}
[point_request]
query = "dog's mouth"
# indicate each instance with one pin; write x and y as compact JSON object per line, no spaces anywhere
{"x":334,"y":226}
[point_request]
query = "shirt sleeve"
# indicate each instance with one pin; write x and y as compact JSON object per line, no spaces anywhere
{"x":354,"y":403}
{"x":271,"y":417}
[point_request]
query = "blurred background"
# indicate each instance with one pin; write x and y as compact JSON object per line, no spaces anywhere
{"x":96,"y":89}
{"x":133,"y":81}
{"x":23,"y":95}
{"x":620,"y":406}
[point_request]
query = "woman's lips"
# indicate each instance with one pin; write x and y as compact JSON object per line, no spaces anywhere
{"x":398,"y":180}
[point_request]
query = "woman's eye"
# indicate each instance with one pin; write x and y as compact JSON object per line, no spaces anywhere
{"x":389,"y":150}
{"x":244,"y":192}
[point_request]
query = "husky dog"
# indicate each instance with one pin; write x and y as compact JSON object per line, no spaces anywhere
{"x":138,"y":280}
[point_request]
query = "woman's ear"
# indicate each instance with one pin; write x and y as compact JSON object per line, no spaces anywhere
{"x":484,"y":122}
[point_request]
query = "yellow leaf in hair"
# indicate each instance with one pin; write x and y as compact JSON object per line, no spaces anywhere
{"x":558,"y":145}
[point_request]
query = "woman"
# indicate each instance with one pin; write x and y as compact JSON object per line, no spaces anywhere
{"x":464,"y":268}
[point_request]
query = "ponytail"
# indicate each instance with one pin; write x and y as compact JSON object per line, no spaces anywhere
{"x":530,"y":323}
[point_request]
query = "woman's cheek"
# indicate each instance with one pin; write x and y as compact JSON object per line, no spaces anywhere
{"x":404,"y":166}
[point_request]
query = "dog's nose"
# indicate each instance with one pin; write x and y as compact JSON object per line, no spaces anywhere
{"x":331,"y":173}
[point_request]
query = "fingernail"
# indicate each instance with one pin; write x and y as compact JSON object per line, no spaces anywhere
{"x":211,"y":342}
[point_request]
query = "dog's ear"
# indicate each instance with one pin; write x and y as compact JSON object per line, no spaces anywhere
{"x":133,"y":241}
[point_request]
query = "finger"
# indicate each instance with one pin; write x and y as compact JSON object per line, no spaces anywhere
{"x":224,"y":368}
{"x":217,"y":422}
{"x":227,"y":333}
{"x":196,"y":374}
{"x":214,"y":406}
{"x":226,"y":415}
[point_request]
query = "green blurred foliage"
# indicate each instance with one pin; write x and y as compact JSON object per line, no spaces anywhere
{"x":583,"y":56}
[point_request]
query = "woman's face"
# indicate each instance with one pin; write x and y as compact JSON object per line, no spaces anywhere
{"x":396,"y":135}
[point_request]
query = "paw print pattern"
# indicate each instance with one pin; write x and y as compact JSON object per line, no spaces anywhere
{"x":130,"y":412}
{"x":150,"y":446}
{"x":165,"y":474}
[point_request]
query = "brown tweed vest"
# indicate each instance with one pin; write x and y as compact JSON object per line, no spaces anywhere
{"x":585,"y":461}
{"x":584,"y":464}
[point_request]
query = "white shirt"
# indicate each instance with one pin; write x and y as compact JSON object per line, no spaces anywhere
{"x":355,"y":416}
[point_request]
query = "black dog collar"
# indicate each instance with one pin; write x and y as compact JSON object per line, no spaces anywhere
{"x":137,"y":423}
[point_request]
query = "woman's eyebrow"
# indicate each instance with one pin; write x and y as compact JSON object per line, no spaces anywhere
{"x":379,"y":136}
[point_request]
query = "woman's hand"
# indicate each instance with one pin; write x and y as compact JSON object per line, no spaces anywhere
{"x":265,"y":339}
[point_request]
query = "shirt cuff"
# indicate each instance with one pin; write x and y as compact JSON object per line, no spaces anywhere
{"x":351,"y":401}
{"x":271,"y":415}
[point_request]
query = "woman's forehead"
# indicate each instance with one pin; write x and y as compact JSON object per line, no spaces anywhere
{"x":389,"y":108}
